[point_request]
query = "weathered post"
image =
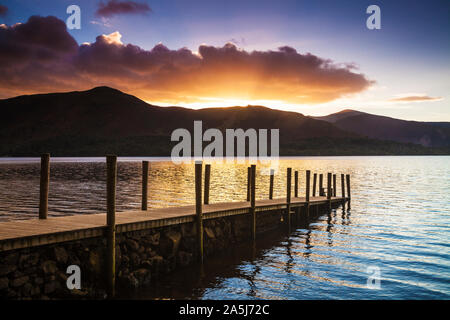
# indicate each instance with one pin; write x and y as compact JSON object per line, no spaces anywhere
{"x":111,"y":177}
{"x":253,"y":200}
{"x":288,"y":195}
{"x":348,"y":191}
{"x":321,"y":193}
{"x":198,"y":207}
{"x":296,"y":184}
{"x":314,"y":184}
{"x":249,"y":172}
{"x":343,"y":191}
{"x":272,"y":173}
{"x":329,"y":190}
{"x":307,"y":191}
{"x":207,"y":180}
{"x":334,"y":185}
{"x":144,"y":185}
{"x":44,"y":186}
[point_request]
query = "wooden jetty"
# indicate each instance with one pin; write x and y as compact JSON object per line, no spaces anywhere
{"x":49,"y":230}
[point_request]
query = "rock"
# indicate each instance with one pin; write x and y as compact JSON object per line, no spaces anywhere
{"x":7,"y":269}
{"x":18,"y":282}
{"x":143,"y":276}
{"x":35,"y":291}
{"x":34,"y":259}
{"x":209,"y":233}
{"x":169,"y":243}
{"x":132,"y":244}
{"x":11,"y":259}
{"x":184,"y":258}
{"x":218,"y":232}
{"x":38,"y":281}
{"x":4,"y":283}
{"x":95,"y":262}
{"x":134,"y":259}
{"x":146,"y":264}
{"x":23,"y":260}
{"x":129,"y":281}
{"x":49,"y":267}
{"x":188,"y":230}
{"x":79,"y":293}
{"x":50,"y":287}
{"x":154,"y":239}
{"x":60,"y":255}
{"x":26,"y":289}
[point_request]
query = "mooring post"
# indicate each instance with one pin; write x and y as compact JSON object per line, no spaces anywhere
{"x":321,"y":191}
{"x":329,"y":190}
{"x":272,"y":173}
{"x":253,"y":200}
{"x":111,"y":177}
{"x":314,"y":184}
{"x":44,"y":186}
{"x":198,"y":207}
{"x":296,"y":184}
{"x":348,"y":191}
{"x":334,"y":185}
{"x":207,"y":180}
{"x":307,"y":191}
{"x":343,"y":191}
{"x":288,"y":195}
{"x":249,"y":172}
{"x":144,"y":185}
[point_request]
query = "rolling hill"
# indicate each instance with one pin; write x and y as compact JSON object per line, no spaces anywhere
{"x":105,"y":120}
{"x":428,"y":134}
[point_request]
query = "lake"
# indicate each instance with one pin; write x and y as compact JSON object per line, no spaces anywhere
{"x":398,"y":227}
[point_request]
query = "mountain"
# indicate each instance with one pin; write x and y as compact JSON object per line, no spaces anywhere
{"x":428,"y":134}
{"x":105,"y":120}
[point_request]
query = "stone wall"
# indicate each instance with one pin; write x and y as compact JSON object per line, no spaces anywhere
{"x":40,"y":272}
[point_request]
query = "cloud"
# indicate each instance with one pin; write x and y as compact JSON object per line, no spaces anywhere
{"x":41,"y":56}
{"x":115,"y":7}
{"x":415,"y":98}
{"x":3,"y":10}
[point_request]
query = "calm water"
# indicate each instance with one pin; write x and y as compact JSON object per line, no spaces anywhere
{"x":399,"y":223}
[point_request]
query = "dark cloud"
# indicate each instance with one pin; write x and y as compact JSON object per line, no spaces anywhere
{"x":3,"y":10}
{"x":115,"y":7}
{"x":415,"y":98}
{"x":41,"y":56}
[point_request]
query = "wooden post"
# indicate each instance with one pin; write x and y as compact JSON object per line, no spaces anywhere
{"x":321,"y":193}
{"x":314,"y":185}
{"x":334,"y":185}
{"x":253,"y":200}
{"x":207,"y":179}
{"x":329,"y":189}
{"x":288,"y":195}
{"x":296,"y":184}
{"x":348,"y":191}
{"x":144,"y":184}
{"x":272,"y":173}
{"x":249,"y":172}
{"x":307,"y":191}
{"x":343,"y":191}
{"x":44,"y":186}
{"x":198,"y":207}
{"x":111,"y":177}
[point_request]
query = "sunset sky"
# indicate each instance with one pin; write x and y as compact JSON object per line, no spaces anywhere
{"x":314,"y":57}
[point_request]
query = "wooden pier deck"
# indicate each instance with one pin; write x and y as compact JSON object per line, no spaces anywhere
{"x":34,"y":232}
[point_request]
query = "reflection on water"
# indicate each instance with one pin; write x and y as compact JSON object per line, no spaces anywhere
{"x":399,"y":222}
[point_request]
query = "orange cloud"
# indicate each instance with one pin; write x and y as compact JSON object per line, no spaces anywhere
{"x":415,"y":98}
{"x":40,"y":56}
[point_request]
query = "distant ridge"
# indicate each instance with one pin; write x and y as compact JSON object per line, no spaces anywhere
{"x":105,"y":120}
{"x":428,"y":134}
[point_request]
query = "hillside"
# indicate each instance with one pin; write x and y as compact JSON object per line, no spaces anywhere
{"x":428,"y":134}
{"x":104,"y":120}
